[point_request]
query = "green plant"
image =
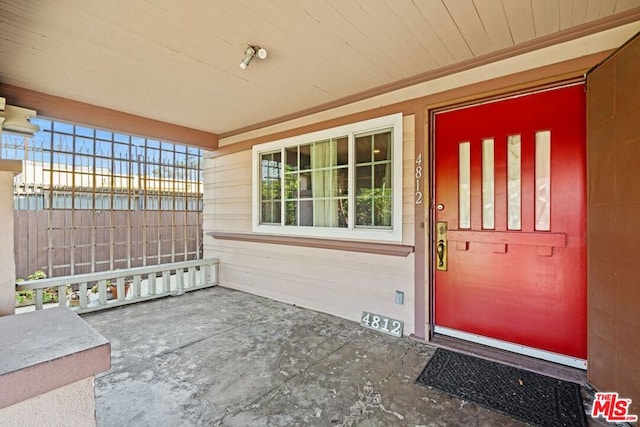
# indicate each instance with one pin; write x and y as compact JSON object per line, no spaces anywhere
{"x":49,"y":295}
{"x":37,"y":275}
{"x":24,"y":296}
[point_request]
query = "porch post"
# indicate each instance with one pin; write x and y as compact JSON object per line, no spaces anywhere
{"x":12,"y":119}
{"x":8,"y":169}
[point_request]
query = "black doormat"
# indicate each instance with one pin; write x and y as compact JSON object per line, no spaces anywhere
{"x":525,"y":395}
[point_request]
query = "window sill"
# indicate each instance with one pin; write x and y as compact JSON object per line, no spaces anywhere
{"x":308,"y":242}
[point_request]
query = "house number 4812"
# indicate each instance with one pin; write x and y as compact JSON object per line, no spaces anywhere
{"x":418,"y":179}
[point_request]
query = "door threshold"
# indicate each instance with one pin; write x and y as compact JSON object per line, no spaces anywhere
{"x":528,"y":363}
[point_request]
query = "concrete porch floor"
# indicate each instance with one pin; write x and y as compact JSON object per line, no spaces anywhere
{"x":220,"y":357}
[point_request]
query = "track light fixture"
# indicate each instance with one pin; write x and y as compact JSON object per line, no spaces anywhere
{"x":250,"y":52}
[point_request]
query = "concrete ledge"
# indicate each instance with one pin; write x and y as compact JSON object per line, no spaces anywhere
{"x":44,"y":350}
{"x":14,"y":166}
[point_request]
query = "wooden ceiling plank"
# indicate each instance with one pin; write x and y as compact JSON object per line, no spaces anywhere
{"x":494,"y":21}
{"x":520,"y":17}
{"x":418,"y":25}
{"x":368,"y":36}
{"x":416,"y":56}
{"x":623,"y":5}
{"x":565,"y":14}
{"x":411,"y":39}
{"x":438,"y":17}
{"x":579,"y":15}
{"x":599,"y":8}
{"x":314,"y":29}
{"x":546,"y":16}
{"x":470,"y":25}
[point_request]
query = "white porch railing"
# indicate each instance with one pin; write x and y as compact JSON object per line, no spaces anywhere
{"x":132,"y":285}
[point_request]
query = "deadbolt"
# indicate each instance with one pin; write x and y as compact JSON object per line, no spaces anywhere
{"x":440,"y":207}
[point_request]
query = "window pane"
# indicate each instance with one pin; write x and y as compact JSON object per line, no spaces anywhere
{"x":341,"y":186}
{"x":305,"y":157}
{"x":382,"y":146}
{"x":363,"y":149}
{"x":382,"y":177}
{"x":464,"y":184}
{"x":292,"y":159}
{"x":271,"y":212}
{"x":342,"y":149}
{"x":271,"y":193}
{"x":373,"y":180}
{"x":543,"y":181}
{"x":382,"y":210}
{"x":514,"y":183}
{"x":306,"y":212}
{"x":343,"y":212}
{"x":292,"y":183}
{"x":305,"y":185}
{"x":363,"y":180}
{"x":291,"y":216}
{"x":364,"y":210}
{"x":488,"y":184}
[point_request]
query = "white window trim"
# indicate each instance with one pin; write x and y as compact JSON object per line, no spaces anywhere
{"x":394,"y":234}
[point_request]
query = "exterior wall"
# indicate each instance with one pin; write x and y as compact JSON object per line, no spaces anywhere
{"x":334,"y":281}
{"x":317,"y":278}
{"x":71,"y":405}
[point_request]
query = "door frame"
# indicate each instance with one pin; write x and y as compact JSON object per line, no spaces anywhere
{"x":429,"y":113}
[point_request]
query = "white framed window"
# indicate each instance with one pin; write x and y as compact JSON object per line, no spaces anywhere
{"x":344,"y":182}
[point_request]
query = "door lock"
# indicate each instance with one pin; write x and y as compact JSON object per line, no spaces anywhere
{"x":441,"y":245}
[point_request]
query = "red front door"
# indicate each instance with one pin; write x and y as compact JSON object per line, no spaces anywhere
{"x":510,"y":222}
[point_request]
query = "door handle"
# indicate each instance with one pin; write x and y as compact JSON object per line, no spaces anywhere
{"x":440,"y":253}
{"x":441,"y":245}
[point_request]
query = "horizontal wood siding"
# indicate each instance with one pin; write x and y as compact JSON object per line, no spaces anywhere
{"x":336,"y":282}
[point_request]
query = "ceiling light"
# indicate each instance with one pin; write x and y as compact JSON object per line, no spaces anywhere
{"x":249,"y":53}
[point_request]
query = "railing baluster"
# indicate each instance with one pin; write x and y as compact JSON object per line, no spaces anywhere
{"x":166,"y":281}
{"x":121,"y":290}
{"x":62,"y":296}
{"x":84,"y":300}
{"x":151,"y":281}
{"x":192,"y":277}
{"x":136,"y":286}
{"x":102,"y":292}
{"x":179,"y":281}
{"x":207,"y":278}
{"x":39,"y":298}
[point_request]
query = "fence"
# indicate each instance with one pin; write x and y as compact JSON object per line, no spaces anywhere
{"x":56,"y":240}
{"x":91,"y":200}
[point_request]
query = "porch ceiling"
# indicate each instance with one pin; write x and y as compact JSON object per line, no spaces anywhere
{"x":178,"y":63}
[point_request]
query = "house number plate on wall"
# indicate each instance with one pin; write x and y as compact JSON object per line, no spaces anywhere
{"x":382,"y":323}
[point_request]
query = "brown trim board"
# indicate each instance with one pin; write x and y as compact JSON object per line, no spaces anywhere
{"x":420,"y":221}
{"x":569,"y":34}
{"x":80,"y":112}
{"x":543,"y":75}
{"x":308,"y":242}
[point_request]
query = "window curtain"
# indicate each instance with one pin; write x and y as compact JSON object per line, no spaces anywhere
{"x":324,"y":158}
